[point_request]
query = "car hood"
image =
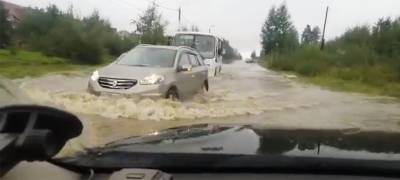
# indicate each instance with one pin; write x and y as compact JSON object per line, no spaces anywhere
{"x":131,"y":72}
{"x":247,"y":140}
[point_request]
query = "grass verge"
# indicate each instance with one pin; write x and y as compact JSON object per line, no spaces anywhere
{"x":34,"y":64}
{"x":337,"y":84}
{"x":390,"y":89}
{"x":353,"y":68}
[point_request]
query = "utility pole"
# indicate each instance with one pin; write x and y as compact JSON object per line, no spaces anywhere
{"x":323,"y":32}
{"x":209,"y":28}
{"x":179,"y":18}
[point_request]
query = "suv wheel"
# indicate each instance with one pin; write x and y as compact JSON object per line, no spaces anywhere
{"x":205,"y":87}
{"x":172,"y":94}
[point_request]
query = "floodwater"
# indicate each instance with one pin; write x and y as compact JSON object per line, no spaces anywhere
{"x":242,"y":94}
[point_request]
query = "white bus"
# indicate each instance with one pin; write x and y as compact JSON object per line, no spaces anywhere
{"x":208,"y":45}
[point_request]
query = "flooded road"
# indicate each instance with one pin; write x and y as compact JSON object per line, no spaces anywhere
{"x":242,"y":94}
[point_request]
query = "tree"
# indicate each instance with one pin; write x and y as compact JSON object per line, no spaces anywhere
{"x":316,"y":34}
{"x":386,"y":37}
{"x":151,"y":27}
{"x":310,"y":36}
{"x":194,"y":28}
{"x":306,"y":36}
{"x":84,"y":40}
{"x":278,"y":33}
{"x":5,"y":27}
{"x":184,"y":28}
{"x":262,"y":53}
{"x":230,"y":54}
{"x":253,"y":55}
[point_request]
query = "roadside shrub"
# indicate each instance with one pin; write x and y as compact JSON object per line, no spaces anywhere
{"x":283,"y":64}
{"x":86,"y":40}
{"x":378,"y":75}
{"x":345,"y":73}
{"x":13,"y":49}
{"x":308,"y":61}
{"x":310,"y":68}
{"x":353,"y":55}
{"x":363,"y":55}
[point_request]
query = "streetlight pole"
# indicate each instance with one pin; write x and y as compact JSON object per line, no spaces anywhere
{"x":323,"y":32}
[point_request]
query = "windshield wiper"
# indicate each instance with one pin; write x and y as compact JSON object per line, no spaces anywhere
{"x":168,"y":134}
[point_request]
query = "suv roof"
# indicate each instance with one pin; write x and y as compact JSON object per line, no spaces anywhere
{"x":196,"y":33}
{"x":167,"y":47}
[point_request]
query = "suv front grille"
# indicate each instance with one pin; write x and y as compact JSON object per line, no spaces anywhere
{"x":114,"y":83}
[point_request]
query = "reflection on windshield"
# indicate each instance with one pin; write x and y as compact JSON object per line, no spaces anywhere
{"x":290,"y":141}
{"x":205,"y":45}
{"x":213,"y":139}
{"x":202,"y":43}
{"x":260,"y":141}
{"x":152,"y":57}
{"x":184,"y":40}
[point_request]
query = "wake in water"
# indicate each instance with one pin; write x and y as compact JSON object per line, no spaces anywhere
{"x":225,"y":99}
{"x":216,"y":104}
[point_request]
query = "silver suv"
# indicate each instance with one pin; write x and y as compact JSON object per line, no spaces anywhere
{"x":152,"y":71}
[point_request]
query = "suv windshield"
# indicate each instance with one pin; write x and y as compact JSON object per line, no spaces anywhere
{"x":205,"y":45}
{"x":152,"y":57}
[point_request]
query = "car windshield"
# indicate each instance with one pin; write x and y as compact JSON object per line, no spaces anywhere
{"x":205,"y":45}
{"x":152,"y":57}
{"x":250,"y":66}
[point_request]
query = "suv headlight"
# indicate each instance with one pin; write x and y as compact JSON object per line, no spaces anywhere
{"x":153,"y":79}
{"x":95,"y":76}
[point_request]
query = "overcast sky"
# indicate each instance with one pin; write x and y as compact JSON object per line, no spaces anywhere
{"x":236,"y":20}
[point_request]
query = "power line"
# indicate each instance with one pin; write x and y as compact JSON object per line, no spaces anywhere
{"x":131,"y":5}
{"x":167,"y":8}
{"x":161,"y":6}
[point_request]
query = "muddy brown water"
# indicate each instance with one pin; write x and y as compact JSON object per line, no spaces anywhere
{"x":242,"y":94}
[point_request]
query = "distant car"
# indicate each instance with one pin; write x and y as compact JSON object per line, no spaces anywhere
{"x":249,"y":60}
{"x":153,"y":71}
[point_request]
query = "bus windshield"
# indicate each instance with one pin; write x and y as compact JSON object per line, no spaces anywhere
{"x":202,"y":43}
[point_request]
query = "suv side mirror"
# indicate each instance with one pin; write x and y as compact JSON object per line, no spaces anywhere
{"x":184,"y":68}
{"x":170,"y":39}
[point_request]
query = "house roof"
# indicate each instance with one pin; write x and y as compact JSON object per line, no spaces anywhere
{"x":15,"y":12}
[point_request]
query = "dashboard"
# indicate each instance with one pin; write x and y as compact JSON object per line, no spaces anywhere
{"x":44,"y":170}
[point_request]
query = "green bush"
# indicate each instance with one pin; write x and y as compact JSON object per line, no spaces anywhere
{"x":308,"y":61}
{"x":364,"y":58}
{"x":353,"y":55}
{"x":86,"y":40}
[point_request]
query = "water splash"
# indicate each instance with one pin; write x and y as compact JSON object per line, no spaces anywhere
{"x":216,"y":104}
